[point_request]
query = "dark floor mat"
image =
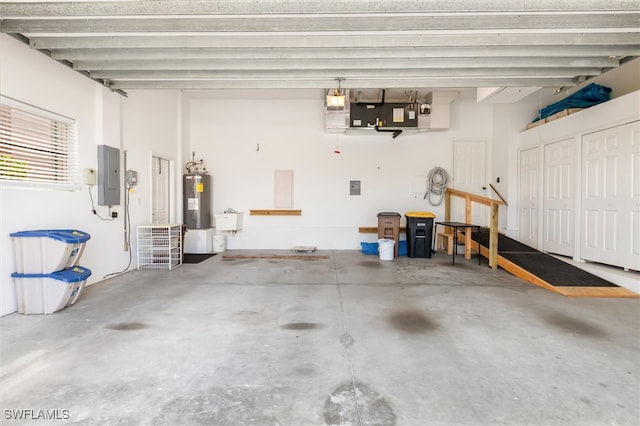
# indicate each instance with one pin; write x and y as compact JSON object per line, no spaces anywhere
{"x":544,"y":266}
{"x":505,"y":244}
{"x":196,"y":257}
{"x":555,"y":271}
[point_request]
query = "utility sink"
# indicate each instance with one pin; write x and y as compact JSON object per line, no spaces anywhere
{"x":228,"y":221}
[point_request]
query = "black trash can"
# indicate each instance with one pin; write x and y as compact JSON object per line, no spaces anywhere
{"x":419,"y":231}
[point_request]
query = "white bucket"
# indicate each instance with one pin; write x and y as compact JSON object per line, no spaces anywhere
{"x":219,"y":243}
{"x":386,"y":249}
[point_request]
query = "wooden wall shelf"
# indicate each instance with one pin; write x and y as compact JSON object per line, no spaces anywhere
{"x":374,"y":229}
{"x":275,"y":212}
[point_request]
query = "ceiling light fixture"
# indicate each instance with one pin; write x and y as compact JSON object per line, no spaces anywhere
{"x":337,"y":100}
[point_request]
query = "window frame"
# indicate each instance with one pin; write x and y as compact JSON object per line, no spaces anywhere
{"x":62,"y":138}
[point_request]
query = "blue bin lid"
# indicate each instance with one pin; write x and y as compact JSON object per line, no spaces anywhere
{"x":69,"y":275}
{"x":71,"y":236}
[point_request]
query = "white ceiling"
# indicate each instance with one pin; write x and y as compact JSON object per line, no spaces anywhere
{"x":389,"y":44}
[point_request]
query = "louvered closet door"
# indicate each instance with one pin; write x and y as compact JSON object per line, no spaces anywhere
{"x":559,"y":198}
{"x":528,"y":196}
{"x":609,"y":208}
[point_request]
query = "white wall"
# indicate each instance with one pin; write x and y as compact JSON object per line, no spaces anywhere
{"x":33,"y":78}
{"x":226,"y":128}
{"x":150,"y":123}
{"x":142,"y":124}
{"x":508,"y":122}
{"x":244,"y":137}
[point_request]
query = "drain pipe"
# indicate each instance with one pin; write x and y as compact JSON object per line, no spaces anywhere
{"x":396,"y":132}
{"x":126,"y":204}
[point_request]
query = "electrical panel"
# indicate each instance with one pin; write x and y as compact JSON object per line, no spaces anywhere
{"x":108,"y":176}
{"x":354,"y":187}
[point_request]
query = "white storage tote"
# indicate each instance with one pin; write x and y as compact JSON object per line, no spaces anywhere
{"x":48,"y":293}
{"x":47,"y":251}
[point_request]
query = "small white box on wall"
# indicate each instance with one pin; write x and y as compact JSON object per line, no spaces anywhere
{"x":283,"y":189}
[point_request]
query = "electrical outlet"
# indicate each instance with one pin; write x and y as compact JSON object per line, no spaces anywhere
{"x":89,"y":177}
{"x":131,"y":178}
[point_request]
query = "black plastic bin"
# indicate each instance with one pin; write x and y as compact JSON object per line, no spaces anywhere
{"x":419,"y":231}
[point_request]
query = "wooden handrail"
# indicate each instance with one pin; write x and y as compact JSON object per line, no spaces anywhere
{"x":498,"y":194}
{"x":474,"y":197}
{"x":493,"y":224}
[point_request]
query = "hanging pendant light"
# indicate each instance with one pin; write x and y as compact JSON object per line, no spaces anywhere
{"x":337,"y":99}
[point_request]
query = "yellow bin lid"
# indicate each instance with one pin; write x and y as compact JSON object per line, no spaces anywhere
{"x":420,"y":214}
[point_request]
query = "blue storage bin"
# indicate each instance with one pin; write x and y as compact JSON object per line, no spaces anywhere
{"x":48,"y":293}
{"x":48,"y":250}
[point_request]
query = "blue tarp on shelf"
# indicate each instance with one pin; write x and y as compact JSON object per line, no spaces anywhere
{"x":586,"y":97}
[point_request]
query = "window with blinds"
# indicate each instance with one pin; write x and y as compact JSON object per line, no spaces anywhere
{"x":37,"y":147}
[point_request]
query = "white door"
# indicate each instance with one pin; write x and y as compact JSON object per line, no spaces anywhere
{"x":528,"y":196}
{"x":469,"y":175}
{"x":160,"y":182}
{"x":606,"y":196}
{"x":559,"y":198}
{"x":633,"y":261}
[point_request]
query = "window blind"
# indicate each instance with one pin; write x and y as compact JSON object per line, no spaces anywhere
{"x":37,"y":147}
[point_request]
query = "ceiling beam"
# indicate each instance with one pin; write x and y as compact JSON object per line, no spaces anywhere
{"x":340,"y":64}
{"x":355,"y":83}
{"x":585,"y":23}
{"x":309,"y":43}
{"x":131,"y":74}
{"x":332,"y":41}
{"x":231,"y":7}
{"x":343,"y":53}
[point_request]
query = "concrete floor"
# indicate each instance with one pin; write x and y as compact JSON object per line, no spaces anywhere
{"x":345,"y":340}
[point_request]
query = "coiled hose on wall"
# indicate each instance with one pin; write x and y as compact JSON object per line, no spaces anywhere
{"x":437,"y":180}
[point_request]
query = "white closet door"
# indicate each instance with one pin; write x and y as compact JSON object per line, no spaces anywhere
{"x":470,"y":175}
{"x":607,"y":175}
{"x":633,"y":261}
{"x":559,"y":198}
{"x":528,"y":196}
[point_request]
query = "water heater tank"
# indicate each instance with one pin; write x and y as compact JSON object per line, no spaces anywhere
{"x":197,"y":207}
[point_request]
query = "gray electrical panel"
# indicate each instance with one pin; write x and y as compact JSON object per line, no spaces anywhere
{"x":108,"y":176}
{"x":354,"y":187}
